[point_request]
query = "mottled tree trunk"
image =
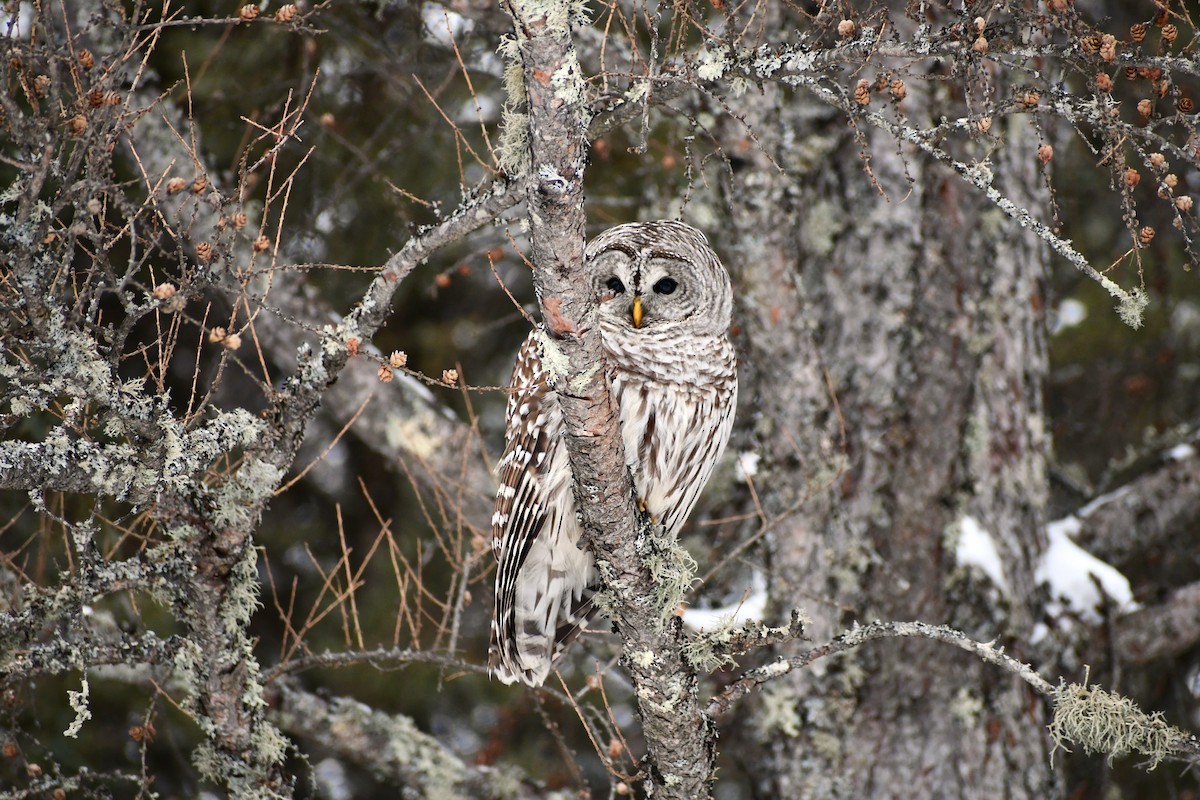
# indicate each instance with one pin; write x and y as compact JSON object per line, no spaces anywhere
{"x":895,"y":358}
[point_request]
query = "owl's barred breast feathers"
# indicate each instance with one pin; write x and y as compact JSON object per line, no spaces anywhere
{"x":665,"y":306}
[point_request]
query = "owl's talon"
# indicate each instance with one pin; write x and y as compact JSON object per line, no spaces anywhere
{"x":641,"y":509}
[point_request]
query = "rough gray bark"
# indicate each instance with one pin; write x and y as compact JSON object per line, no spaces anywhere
{"x":897,"y":357}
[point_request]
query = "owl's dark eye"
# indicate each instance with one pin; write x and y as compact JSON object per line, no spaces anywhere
{"x":666,"y":285}
{"x":615,"y":286}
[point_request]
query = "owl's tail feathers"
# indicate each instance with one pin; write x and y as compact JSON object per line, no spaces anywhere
{"x":529,"y":655}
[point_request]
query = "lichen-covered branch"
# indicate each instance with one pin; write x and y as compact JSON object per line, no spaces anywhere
{"x":393,"y":749}
{"x":1167,"y":628}
{"x":143,"y":449}
{"x":1098,"y":720}
{"x":680,"y":738}
{"x":1151,"y":509}
{"x":860,"y":635}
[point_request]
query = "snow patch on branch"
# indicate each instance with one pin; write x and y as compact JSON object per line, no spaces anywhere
{"x":747,"y":466}
{"x":1079,"y":582}
{"x":751,"y":608}
{"x":441,"y":25}
{"x":975,"y":547}
{"x":1181,"y":452}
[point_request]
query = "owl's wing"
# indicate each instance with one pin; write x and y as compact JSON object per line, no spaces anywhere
{"x":543,"y":581}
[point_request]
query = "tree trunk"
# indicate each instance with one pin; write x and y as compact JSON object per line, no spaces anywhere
{"x":895,"y":361}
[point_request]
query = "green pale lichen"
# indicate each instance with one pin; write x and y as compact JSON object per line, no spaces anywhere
{"x":240,"y":499}
{"x":711,"y":65}
{"x":187,"y":454}
{"x":567,"y":82}
{"x":512,"y":148}
{"x":1036,"y":426}
{"x":642,"y":658}
{"x":848,"y":565}
{"x":976,"y":441}
{"x":79,"y":704}
{"x":980,"y":340}
{"x":672,"y":570}
{"x":559,"y":15}
{"x":14,"y":190}
{"x":579,"y":383}
{"x":506,"y":783}
{"x":809,"y":152}
{"x":407,"y":745}
{"x":269,"y":743}
{"x":241,"y":600}
{"x":20,"y":407}
{"x":851,"y":676}
{"x":115,"y":472}
{"x":668,"y":706}
{"x":994,"y":225}
{"x":244,"y":774}
{"x":779,"y":712}
{"x":739,"y":86}
{"x":1104,"y":722}
{"x":823,"y":223}
{"x":514,"y":71}
{"x":607,"y":601}
{"x":966,"y":707}
{"x":208,"y":762}
{"x":182,"y":532}
{"x":1132,"y":307}
{"x":188,"y":658}
{"x":767,"y":64}
{"x":827,"y":745}
{"x":331,"y":341}
{"x":411,"y":432}
{"x":700,"y":652}
{"x":312,"y":370}
{"x":553,"y":358}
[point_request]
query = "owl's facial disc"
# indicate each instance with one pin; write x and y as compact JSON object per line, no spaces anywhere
{"x":645,"y":287}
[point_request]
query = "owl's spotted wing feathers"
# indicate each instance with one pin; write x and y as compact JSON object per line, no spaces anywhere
{"x":673,"y":376}
{"x":544,"y":584}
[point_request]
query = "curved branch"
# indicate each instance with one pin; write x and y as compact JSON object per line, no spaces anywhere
{"x":391,"y":747}
{"x":1097,"y":719}
{"x":1165,"y":630}
{"x":860,"y":635}
{"x":1149,"y":510}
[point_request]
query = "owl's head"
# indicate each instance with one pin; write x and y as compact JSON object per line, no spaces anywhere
{"x":660,"y":276}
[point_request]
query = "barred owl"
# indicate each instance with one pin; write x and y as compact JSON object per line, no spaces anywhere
{"x":664,"y":307}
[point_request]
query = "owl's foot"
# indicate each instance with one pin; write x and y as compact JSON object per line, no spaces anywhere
{"x":642,"y":509}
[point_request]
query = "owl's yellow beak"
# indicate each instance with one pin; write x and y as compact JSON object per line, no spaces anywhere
{"x":637,"y":312}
